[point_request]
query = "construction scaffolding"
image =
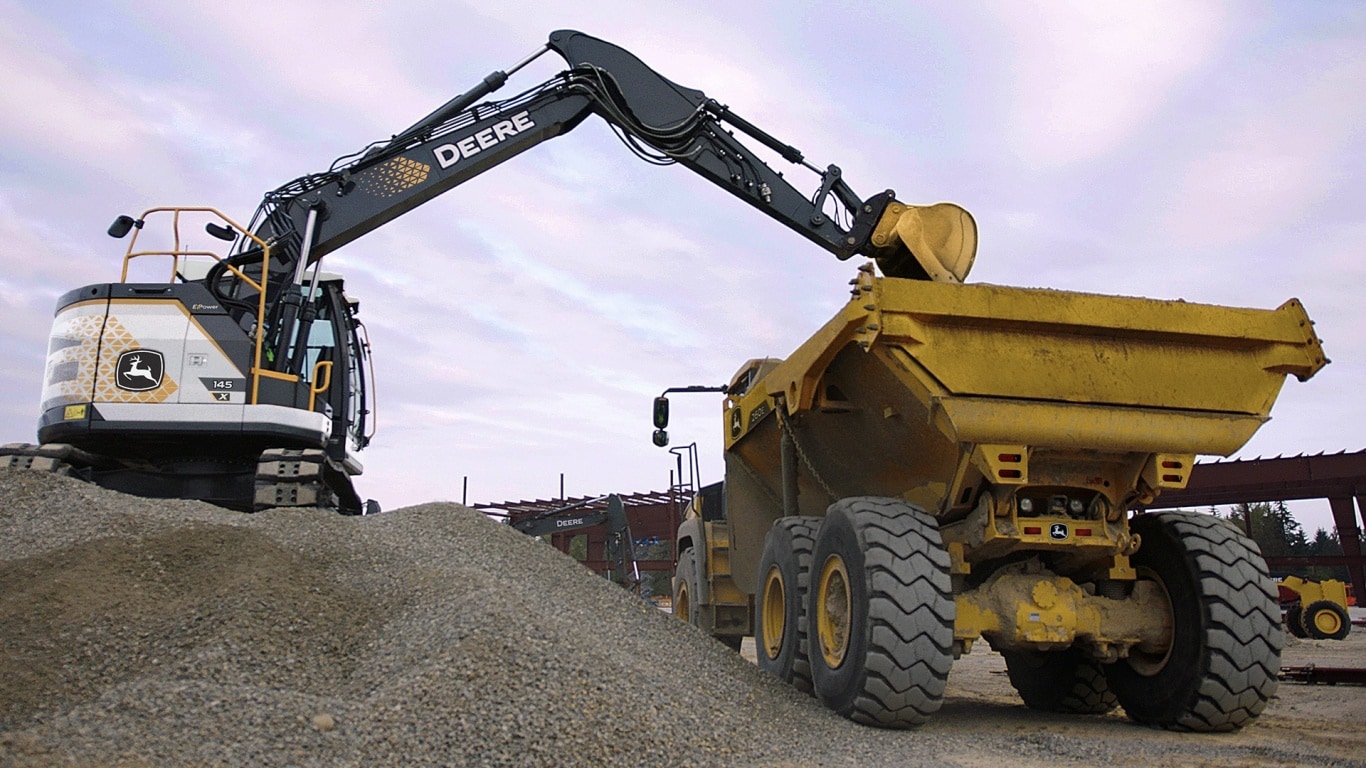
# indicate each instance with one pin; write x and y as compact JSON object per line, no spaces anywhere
{"x":653,"y":517}
{"x":1339,"y":477}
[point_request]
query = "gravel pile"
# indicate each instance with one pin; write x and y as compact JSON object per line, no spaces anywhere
{"x":150,"y":633}
{"x":168,"y":632}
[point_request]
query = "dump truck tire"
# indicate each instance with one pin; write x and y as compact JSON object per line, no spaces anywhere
{"x":780,"y":626}
{"x":685,"y":587}
{"x":1294,"y":620}
{"x":880,"y":612}
{"x":1060,"y":681}
{"x":1326,"y":620}
{"x":1221,"y":667}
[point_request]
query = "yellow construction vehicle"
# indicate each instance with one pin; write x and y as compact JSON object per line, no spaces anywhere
{"x":1315,"y":609}
{"x":946,"y":462}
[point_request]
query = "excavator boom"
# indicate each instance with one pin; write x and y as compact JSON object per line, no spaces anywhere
{"x":661,"y":121}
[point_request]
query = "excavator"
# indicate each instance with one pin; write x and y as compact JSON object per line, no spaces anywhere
{"x":620,"y":550}
{"x":245,"y":380}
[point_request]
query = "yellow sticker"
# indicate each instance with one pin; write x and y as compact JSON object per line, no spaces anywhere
{"x":74,"y":412}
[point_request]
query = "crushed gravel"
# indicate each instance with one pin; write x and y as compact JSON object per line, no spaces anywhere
{"x":136,"y":632}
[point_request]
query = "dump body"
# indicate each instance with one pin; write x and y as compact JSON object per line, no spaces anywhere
{"x":919,"y":390}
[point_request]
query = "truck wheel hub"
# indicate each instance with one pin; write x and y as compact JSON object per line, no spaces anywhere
{"x":775,"y":612}
{"x":1149,"y":661}
{"x":833,"y":614}
{"x":1327,"y":622}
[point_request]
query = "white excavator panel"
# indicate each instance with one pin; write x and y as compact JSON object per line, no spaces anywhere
{"x":138,"y":351}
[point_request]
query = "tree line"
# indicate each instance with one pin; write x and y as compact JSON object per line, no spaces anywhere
{"x":1279,"y":534}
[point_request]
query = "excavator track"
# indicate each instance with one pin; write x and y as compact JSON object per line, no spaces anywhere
{"x":57,"y":458}
{"x":305,"y":477}
{"x":285,"y":477}
{"x":290,"y":477}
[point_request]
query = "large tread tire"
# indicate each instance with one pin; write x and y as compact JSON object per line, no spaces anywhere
{"x":787,"y":551}
{"x":1294,"y":621}
{"x":1222,"y":666}
{"x":685,"y":587}
{"x":900,"y":618}
{"x":1060,"y":681}
{"x":1326,"y":620}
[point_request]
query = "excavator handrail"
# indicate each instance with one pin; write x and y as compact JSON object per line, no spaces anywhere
{"x":177,"y":253}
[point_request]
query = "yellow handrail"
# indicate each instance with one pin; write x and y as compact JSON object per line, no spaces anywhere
{"x":177,"y":253}
{"x":321,"y":370}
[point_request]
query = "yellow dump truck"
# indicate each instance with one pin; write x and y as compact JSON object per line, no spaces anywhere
{"x":946,"y":462}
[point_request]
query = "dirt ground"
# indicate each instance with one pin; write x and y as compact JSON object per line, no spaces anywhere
{"x":144,"y":633}
{"x":1310,"y":725}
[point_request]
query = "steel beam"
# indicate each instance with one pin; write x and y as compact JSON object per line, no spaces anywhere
{"x":1277,"y":479}
{"x":1339,"y":478}
{"x":1349,"y":536}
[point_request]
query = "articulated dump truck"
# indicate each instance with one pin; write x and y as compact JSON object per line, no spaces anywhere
{"x":944,"y":463}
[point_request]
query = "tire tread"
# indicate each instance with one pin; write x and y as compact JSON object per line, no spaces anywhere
{"x":910,"y":616}
{"x":1241,"y":638}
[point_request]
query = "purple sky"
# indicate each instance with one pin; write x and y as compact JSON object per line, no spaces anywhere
{"x":522,"y":323}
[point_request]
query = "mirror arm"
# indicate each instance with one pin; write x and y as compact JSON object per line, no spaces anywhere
{"x":661,"y":410}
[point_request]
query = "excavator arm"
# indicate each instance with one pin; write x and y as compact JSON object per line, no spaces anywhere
{"x":660,"y":120}
{"x":620,"y":545}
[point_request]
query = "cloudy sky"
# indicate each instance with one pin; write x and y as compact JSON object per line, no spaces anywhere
{"x":1209,"y":151}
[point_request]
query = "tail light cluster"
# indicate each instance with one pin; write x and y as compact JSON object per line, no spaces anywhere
{"x":1076,"y":503}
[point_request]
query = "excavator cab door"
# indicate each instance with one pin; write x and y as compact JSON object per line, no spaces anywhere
{"x":336,"y":368}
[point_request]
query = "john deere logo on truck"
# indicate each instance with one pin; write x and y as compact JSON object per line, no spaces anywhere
{"x":1057,"y":531}
{"x":139,"y":370}
{"x":450,"y":154}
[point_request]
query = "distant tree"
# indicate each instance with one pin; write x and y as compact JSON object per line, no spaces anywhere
{"x":1275,"y":530}
{"x":1326,"y":543}
{"x":578,"y":547}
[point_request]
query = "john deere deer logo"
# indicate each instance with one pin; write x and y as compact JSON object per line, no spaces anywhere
{"x":139,"y":370}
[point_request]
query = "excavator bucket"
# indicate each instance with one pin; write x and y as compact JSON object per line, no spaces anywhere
{"x":942,"y":239}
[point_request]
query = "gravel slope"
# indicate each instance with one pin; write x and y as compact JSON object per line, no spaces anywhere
{"x":137,"y":632}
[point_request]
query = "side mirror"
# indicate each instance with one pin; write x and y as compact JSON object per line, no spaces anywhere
{"x":123,"y":225}
{"x":660,"y":438}
{"x":661,"y":414}
{"x":221,"y":232}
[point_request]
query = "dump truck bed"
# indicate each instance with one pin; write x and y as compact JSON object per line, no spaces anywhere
{"x":912,"y":387}
{"x":998,"y":364}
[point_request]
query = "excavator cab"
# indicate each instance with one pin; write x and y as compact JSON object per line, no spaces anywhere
{"x":214,"y":384}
